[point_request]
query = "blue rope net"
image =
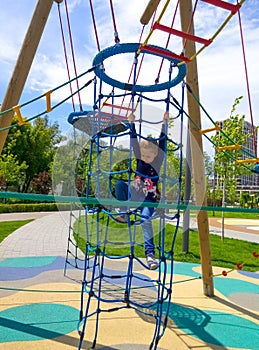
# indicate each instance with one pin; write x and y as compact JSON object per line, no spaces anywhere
{"x":113,"y":268}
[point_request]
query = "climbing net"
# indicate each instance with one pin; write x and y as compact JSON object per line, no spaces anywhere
{"x":113,"y":250}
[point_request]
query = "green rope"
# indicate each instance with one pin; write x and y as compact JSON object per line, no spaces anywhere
{"x":52,"y":107}
{"x":214,"y":123}
{"x":53,"y":90}
{"x":79,"y":291}
{"x":221,"y":131}
{"x":43,"y":96}
{"x":116,"y":203}
{"x":40,"y":290}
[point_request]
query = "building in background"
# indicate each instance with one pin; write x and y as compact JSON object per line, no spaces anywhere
{"x":248,"y":183}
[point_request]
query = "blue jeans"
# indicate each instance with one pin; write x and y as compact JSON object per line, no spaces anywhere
{"x":122,"y":194}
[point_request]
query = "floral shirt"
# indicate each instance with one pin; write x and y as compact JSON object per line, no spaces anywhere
{"x":147,"y":175}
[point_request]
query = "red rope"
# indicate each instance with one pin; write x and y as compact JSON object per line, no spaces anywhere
{"x":142,"y":58}
{"x":247,"y":85}
{"x":65,"y":53}
{"x":73,"y":55}
{"x":167,"y":43}
{"x":94,"y":23}
{"x":116,"y":35}
{"x":132,"y":66}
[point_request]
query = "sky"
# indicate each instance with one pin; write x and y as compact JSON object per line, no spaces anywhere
{"x":221,"y":68}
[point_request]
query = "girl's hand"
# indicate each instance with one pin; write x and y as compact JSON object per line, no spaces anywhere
{"x":131,"y":118}
{"x":166,"y":117}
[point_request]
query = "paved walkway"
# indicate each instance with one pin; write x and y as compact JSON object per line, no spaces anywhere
{"x":46,"y":236}
{"x":243,"y":229}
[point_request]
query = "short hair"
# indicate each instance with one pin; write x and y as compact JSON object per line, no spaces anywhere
{"x":149,"y":144}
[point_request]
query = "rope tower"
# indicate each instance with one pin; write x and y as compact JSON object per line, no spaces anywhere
{"x":105,"y":285}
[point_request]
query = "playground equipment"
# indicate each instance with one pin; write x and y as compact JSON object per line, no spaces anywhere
{"x":127,"y":288}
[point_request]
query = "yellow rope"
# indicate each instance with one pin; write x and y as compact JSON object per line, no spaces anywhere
{"x":152,"y":30}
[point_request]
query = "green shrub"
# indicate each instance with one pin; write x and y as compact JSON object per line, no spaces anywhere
{"x":33,"y":207}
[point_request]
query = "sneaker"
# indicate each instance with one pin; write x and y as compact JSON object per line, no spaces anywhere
{"x":152,"y":262}
{"x":121,"y":218}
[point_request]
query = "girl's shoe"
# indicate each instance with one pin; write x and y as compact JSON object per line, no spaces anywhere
{"x":152,"y":262}
{"x":121,"y":218}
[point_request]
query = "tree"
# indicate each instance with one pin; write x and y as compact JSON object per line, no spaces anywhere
{"x":70,"y":165}
{"x":33,"y":144}
{"x":42,"y":183}
{"x":226,"y":168}
{"x":11,"y":172}
{"x":209,"y":165}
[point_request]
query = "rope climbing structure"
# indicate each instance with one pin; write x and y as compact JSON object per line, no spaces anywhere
{"x":114,"y":250}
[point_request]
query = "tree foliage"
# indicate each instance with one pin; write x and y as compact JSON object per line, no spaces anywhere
{"x":31,"y":147}
{"x":42,"y":183}
{"x":70,"y":165}
{"x":226,"y":168}
{"x":11,"y":172}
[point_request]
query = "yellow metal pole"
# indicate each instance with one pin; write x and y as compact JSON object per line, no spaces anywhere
{"x":197,"y":152}
{"x":23,"y":65}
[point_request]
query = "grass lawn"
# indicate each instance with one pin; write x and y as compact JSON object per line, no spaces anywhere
{"x":8,"y":227}
{"x":227,"y":253}
{"x":234,"y":215}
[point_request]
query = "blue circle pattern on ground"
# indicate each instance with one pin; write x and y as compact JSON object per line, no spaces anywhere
{"x":28,"y":261}
{"x":228,"y":286}
{"x":214,"y":327}
{"x":33,"y":322}
{"x":13,"y":269}
{"x":256,"y":168}
{"x":131,"y":48}
{"x":218,"y":328}
{"x":36,"y":322}
{"x":249,"y":274}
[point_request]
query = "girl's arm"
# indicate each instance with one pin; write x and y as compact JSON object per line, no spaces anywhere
{"x":162,"y":141}
{"x":133,"y":136}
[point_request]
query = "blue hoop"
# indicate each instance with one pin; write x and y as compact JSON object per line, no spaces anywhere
{"x":133,"y":47}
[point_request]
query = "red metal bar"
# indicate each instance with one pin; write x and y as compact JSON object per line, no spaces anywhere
{"x":163,"y":53}
{"x":110,"y":116}
{"x":116,"y":106}
{"x":225,"y":5}
{"x":184,"y":35}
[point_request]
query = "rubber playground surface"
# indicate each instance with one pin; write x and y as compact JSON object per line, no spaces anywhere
{"x":39,"y":306}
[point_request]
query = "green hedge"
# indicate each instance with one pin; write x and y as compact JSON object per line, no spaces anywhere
{"x":32,"y":207}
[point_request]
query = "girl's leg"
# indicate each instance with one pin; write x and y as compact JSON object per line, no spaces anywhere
{"x":122,"y":194}
{"x":147,"y":229}
{"x":121,"y":191}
